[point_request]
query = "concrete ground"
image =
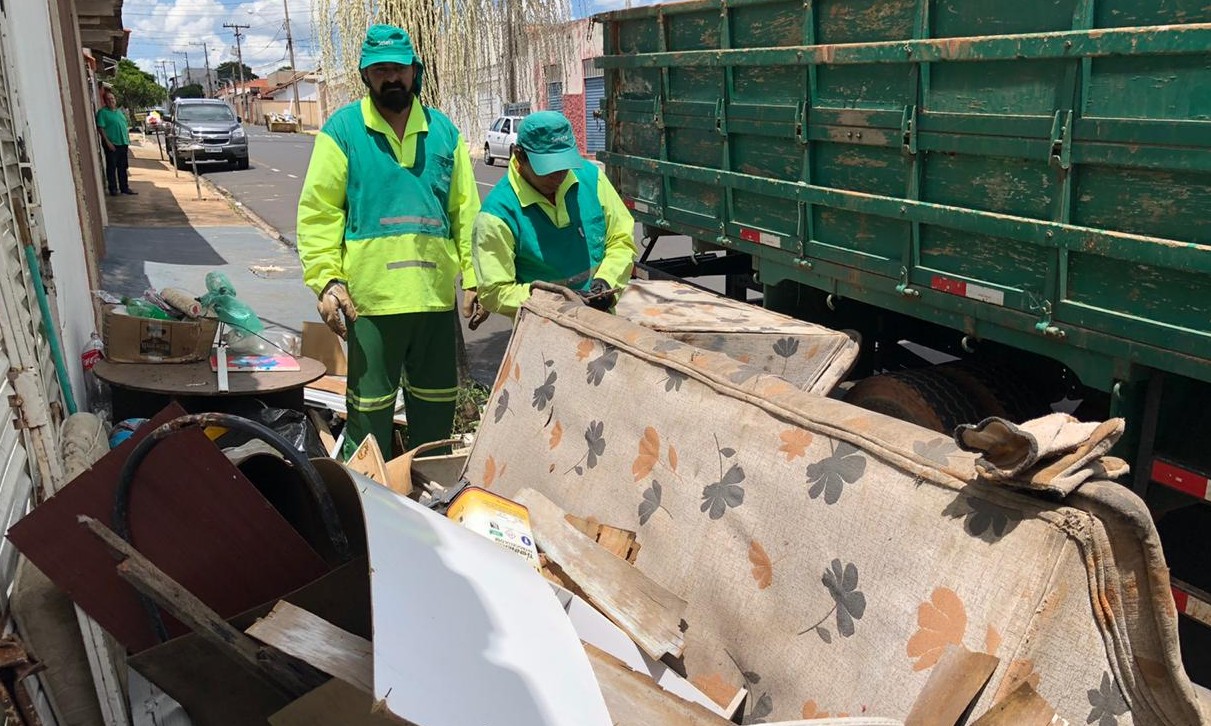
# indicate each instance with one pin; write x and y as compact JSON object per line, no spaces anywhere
{"x":167,"y":237}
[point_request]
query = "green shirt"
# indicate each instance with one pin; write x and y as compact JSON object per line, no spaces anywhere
{"x":112,"y":123}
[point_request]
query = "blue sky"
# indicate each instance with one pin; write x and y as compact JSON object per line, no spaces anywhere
{"x":167,"y":29}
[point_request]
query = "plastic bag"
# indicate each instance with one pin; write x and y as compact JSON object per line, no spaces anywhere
{"x":221,"y":297}
{"x":289,"y":424}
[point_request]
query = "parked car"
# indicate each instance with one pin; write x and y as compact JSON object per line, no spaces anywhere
{"x":502,"y":135}
{"x":205,"y":130}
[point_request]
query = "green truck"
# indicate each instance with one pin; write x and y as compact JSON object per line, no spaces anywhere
{"x":1022,"y":189}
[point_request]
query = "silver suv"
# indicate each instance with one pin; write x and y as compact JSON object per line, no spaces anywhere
{"x":205,"y":130}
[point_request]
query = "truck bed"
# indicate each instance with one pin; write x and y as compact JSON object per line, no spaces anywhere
{"x":1035,"y":173}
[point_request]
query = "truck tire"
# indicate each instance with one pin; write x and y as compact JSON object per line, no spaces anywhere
{"x":924,"y":396}
{"x":1010,"y":396}
{"x":488,"y":155}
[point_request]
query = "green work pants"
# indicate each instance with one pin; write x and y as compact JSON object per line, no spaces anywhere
{"x":413,"y":350}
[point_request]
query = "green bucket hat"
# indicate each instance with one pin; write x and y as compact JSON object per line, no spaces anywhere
{"x":549,"y":142}
{"x":389,"y":44}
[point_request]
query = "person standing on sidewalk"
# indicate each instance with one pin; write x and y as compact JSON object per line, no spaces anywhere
{"x":384,"y":228}
{"x":553,"y":218}
{"x":115,"y":139}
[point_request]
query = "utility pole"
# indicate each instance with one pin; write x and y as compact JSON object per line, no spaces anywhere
{"x":174,"y":74}
{"x":188,"y":78}
{"x":163,"y":71}
{"x":239,"y":55}
{"x":206,"y":55}
{"x":510,"y":56}
{"x":293,"y":68}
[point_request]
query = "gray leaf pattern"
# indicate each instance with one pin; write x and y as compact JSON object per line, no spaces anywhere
{"x":761,"y":709}
{"x":786,"y":347}
{"x":1107,"y":703}
{"x":841,"y":581}
{"x":937,"y":450}
{"x":594,"y":436}
{"x":650,"y":503}
{"x":830,"y":475}
{"x":726,"y":493}
{"x":601,"y":364}
{"x":673,"y":380}
{"x":982,"y":518}
{"x":502,"y":405}
{"x":544,"y":393}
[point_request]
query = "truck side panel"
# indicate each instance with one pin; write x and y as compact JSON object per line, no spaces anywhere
{"x":1036,"y":173}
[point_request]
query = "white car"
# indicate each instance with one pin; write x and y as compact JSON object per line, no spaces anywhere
{"x":502,"y":135}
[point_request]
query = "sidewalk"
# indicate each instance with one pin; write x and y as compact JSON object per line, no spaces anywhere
{"x":167,"y":237}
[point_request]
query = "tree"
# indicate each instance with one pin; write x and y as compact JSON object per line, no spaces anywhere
{"x":135,"y":88}
{"x":193,"y":90}
{"x":228,"y":71}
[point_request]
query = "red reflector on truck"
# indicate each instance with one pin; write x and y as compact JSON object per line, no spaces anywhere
{"x":967,"y":289}
{"x":1180,"y":479}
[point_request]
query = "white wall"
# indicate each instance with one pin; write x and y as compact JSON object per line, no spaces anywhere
{"x":37,"y":86}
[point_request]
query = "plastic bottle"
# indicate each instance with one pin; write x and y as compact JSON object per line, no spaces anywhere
{"x":99,"y":401}
{"x":140,"y":308}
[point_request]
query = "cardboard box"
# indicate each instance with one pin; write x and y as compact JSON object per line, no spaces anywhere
{"x":140,"y":340}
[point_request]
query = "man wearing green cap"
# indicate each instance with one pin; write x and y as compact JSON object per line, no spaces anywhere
{"x":384,"y":228}
{"x":553,"y":218}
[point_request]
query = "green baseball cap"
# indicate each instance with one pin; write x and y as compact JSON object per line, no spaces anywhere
{"x":549,"y":142}
{"x":387,"y":44}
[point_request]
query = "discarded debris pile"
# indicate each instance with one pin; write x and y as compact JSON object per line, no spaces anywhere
{"x":744,"y":552}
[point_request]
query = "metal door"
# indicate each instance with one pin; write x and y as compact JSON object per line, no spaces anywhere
{"x":594,"y":127}
{"x":29,"y":453}
{"x":555,"y":96}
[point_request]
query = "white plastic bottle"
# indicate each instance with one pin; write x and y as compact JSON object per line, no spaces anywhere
{"x":99,"y":401}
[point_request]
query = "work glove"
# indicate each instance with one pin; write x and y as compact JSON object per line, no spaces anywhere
{"x":476,"y":313}
{"x":334,"y":301}
{"x":600,"y":295}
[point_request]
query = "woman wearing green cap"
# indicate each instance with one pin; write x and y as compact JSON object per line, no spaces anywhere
{"x":553,"y":218}
{"x":384,"y":228}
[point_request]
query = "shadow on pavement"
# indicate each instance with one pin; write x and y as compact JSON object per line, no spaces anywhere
{"x":128,"y":249}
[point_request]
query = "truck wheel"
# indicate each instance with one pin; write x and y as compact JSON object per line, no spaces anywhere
{"x":488,"y":155}
{"x":923,"y":396}
{"x":1006,"y":392}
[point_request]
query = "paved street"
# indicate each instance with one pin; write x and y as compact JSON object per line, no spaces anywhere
{"x":270,"y":186}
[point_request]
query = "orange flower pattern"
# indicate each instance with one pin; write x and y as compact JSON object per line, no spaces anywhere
{"x":943,"y":622}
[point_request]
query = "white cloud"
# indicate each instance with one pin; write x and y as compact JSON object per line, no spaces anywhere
{"x":165,"y":29}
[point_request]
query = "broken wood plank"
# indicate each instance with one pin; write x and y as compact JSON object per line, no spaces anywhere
{"x":646,"y":611}
{"x":617,"y":541}
{"x":1022,"y":707}
{"x":325,"y":433}
{"x":633,"y":699}
{"x":368,"y":460}
{"x":399,"y":469}
{"x":337,"y":385}
{"x":335,"y":702}
{"x":316,"y":641}
{"x":292,"y":678}
{"x":954,"y":684}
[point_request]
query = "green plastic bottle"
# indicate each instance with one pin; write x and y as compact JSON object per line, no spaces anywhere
{"x":140,"y":308}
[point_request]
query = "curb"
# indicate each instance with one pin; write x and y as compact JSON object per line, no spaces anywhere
{"x":253,"y":218}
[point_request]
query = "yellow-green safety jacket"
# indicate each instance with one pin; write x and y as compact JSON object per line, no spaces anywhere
{"x":520,"y":237}
{"x":390,"y":218}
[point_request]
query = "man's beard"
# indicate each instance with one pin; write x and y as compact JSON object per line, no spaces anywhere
{"x":393,"y":97}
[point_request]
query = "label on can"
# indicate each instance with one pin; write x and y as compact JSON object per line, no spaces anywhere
{"x":501,"y":520}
